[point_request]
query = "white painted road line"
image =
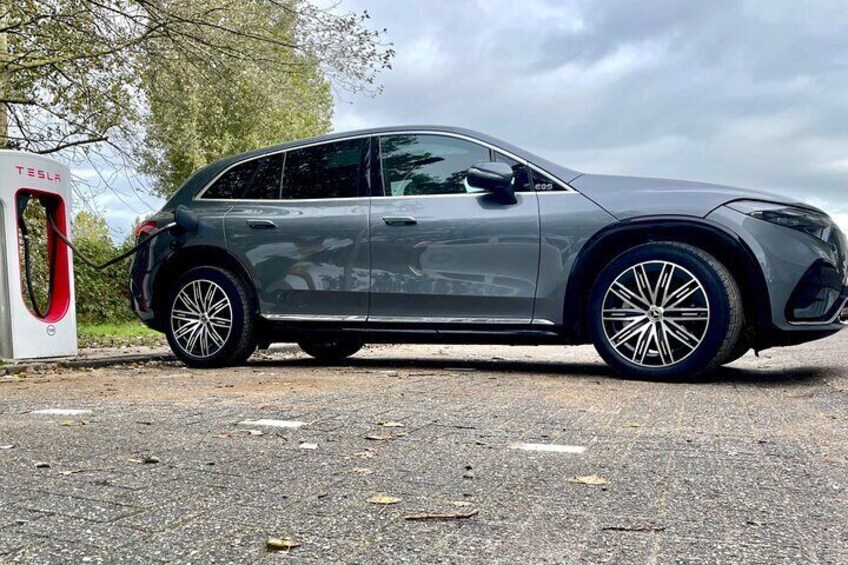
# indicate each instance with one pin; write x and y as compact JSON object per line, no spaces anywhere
{"x":550,"y":447}
{"x":62,"y":412}
{"x":273,"y":423}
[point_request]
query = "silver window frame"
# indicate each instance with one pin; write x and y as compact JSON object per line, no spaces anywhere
{"x":199,"y":196}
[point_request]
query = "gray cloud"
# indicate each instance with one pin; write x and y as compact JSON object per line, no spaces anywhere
{"x":747,"y":93}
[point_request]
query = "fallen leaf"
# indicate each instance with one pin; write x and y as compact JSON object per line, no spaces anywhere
{"x":381,"y":499}
{"x":361,"y":471}
{"x":375,"y":437}
{"x":451,"y":516}
{"x":632,"y":425}
{"x":279,"y":544}
{"x":589,"y":480}
{"x":460,"y":503}
{"x":256,"y":432}
{"x":390,"y":424}
{"x":367,"y":454}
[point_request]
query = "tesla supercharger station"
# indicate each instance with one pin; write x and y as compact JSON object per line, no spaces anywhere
{"x":49,"y":329}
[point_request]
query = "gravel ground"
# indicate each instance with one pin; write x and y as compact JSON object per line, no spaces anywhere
{"x":749,"y":467}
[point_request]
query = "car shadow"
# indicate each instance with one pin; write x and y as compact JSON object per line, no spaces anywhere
{"x":558,"y":369}
{"x":786,"y":377}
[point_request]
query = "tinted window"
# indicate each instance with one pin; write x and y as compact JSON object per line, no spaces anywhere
{"x":330,"y":170}
{"x":257,"y":179}
{"x":522,"y":180}
{"x":543,"y":183}
{"x":428,"y":164}
{"x":527,"y":179}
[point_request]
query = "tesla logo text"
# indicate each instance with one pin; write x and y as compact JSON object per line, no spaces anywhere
{"x":34,"y":173}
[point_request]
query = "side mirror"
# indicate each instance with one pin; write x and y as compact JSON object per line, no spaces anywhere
{"x":495,"y":178}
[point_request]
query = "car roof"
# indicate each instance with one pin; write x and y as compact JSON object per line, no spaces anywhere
{"x":204,"y":175}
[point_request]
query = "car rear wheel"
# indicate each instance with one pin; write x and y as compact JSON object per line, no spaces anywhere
{"x":210,"y":321}
{"x":665,"y":310}
{"x":331,"y":351}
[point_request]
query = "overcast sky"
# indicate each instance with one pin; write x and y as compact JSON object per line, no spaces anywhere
{"x":746,"y":93}
{"x":750,"y":94}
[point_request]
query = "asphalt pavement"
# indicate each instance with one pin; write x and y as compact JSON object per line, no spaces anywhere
{"x":428,"y":454}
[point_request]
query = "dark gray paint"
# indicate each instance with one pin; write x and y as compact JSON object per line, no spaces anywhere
{"x":631,"y":197}
{"x":784,"y":255}
{"x":466,"y":258}
{"x":567,"y":220}
{"x":315,"y":261}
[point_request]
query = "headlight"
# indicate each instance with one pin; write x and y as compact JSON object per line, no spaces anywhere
{"x":816,"y":224}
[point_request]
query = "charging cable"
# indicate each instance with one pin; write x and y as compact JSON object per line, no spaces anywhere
{"x":150,"y":237}
{"x":23,"y":202}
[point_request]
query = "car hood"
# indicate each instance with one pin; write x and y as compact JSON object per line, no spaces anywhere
{"x":629,"y":197}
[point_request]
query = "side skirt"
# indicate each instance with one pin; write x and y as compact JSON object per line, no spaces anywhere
{"x":279,"y":331}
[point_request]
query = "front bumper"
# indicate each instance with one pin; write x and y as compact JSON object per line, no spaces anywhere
{"x":805,"y":277}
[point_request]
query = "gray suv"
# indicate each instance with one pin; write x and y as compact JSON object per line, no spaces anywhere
{"x":442,"y":235}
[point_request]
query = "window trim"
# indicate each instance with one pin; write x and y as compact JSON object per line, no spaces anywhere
{"x":199,"y":194}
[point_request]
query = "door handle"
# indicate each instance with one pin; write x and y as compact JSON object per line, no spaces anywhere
{"x":261,"y":224}
{"x":400,"y":220}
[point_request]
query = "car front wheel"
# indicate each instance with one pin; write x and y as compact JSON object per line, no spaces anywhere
{"x":210,"y":322}
{"x":665,"y":310}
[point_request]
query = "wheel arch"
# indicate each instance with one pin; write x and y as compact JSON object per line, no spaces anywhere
{"x":186,"y":258}
{"x":715,"y":239}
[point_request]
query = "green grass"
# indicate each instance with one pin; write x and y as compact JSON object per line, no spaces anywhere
{"x":117,"y":335}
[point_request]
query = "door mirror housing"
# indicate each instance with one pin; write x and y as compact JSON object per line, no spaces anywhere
{"x":494,"y":178}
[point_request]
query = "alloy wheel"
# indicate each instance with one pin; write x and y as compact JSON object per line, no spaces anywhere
{"x":201,"y":318}
{"x":655,"y":314}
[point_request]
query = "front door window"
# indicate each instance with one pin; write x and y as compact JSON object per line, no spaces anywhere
{"x":420,"y":165}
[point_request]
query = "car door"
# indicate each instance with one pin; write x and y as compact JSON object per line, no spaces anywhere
{"x":442,"y":251}
{"x":307,"y":247}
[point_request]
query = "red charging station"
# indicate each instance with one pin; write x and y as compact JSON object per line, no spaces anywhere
{"x":37,"y":310}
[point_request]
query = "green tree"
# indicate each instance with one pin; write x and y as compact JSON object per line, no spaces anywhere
{"x":80,"y":75}
{"x":100,"y":295}
{"x":201,"y":111}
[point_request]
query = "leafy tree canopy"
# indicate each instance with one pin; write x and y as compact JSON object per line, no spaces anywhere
{"x":172,"y":84}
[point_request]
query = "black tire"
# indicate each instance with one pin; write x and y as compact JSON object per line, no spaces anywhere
{"x":237,"y":344}
{"x":705,"y":347}
{"x":742,"y":347}
{"x":332,"y":351}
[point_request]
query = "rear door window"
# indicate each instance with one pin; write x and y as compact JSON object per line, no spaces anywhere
{"x":257,"y":179}
{"x":329,"y":170}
